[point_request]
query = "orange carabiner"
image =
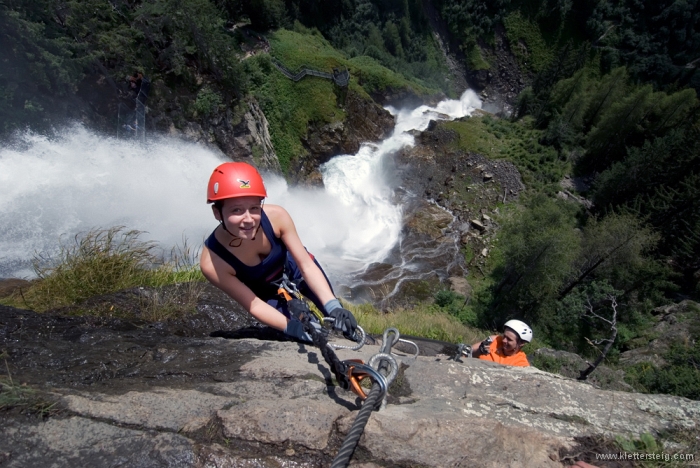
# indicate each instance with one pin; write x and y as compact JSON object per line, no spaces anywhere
{"x":283,"y":292}
{"x":356,"y":377}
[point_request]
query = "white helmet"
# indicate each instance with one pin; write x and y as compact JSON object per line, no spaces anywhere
{"x":521,"y":328}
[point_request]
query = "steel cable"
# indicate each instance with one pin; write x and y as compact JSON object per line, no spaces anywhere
{"x":342,"y":459}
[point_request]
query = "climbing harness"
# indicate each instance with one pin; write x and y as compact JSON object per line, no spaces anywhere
{"x":288,"y":290}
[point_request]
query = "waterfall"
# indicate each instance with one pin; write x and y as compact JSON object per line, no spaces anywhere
{"x":54,"y":188}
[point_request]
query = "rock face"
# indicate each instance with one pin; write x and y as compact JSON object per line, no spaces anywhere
{"x":418,"y":266}
{"x":673,"y":326}
{"x":144,"y":396}
{"x":366,"y":121}
{"x":469,"y":185}
{"x":247,"y":139}
{"x":501,"y":84}
{"x":252,"y":138}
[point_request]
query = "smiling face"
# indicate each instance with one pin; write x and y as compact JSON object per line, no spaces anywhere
{"x":511,"y":342}
{"x":241,"y":215}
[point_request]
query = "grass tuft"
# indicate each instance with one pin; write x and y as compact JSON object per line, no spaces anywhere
{"x":424,"y":321}
{"x":104,"y":261}
{"x":15,"y":395}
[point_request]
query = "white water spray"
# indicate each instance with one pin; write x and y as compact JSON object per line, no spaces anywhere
{"x":56,"y":188}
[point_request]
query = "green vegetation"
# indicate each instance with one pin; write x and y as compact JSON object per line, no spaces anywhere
{"x":101,"y":262}
{"x":191,"y":52}
{"x":679,"y":376}
{"x":475,"y":59}
{"x":471,"y":21}
{"x":14,"y":395}
{"x":291,"y":108}
{"x":395,"y":34}
{"x":425,"y":320}
{"x":664,"y":454}
{"x":621,"y":115}
{"x":547,"y":363}
{"x":527,"y":42}
{"x":51,"y":49}
{"x":518,"y":142}
{"x":208,"y":101}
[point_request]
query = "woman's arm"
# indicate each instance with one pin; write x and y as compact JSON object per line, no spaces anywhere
{"x":284,"y":225}
{"x":221,"y":275}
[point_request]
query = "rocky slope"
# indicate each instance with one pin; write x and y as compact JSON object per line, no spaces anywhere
{"x":467,"y":185}
{"x":126,"y":393}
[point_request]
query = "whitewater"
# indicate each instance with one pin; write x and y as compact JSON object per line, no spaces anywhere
{"x":52,"y":189}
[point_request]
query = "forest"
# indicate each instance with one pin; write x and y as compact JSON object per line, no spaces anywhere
{"x":611,"y":97}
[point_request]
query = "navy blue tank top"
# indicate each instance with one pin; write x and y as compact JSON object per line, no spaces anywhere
{"x":259,"y":277}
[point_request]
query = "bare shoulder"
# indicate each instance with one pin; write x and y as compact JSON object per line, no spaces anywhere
{"x":274,"y":210}
{"x":278,"y":215}
{"x":213,"y":267}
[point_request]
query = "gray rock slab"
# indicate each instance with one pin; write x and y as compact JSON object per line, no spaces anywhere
{"x":528,"y":397}
{"x":302,"y":421}
{"x":78,"y":442}
{"x":278,"y":409}
{"x":161,"y":408}
{"x":418,"y":435}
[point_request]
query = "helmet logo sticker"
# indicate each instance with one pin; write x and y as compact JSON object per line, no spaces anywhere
{"x":244,"y":183}
{"x":216,"y":188}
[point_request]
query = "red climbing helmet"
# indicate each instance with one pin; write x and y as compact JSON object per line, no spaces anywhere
{"x":235,"y":179}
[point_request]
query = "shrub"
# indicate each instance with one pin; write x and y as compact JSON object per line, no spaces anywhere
{"x":104,"y":261}
{"x":680,"y":377}
{"x":208,"y":101}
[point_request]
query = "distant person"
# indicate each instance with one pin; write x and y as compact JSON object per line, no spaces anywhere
{"x":506,"y":348}
{"x":248,"y":253}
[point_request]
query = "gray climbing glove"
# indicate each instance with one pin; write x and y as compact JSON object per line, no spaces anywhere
{"x":485,"y":346}
{"x":295,"y":329}
{"x":344,"y":321}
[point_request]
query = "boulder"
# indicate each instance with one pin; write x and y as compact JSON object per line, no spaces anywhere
{"x":478,"y":224}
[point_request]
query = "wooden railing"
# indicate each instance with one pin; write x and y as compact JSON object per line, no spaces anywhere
{"x":339,"y":77}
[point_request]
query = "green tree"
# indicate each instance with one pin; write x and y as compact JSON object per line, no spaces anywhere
{"x":656,"y":41}
{"x":605,"y":142}
{"x":540,"y":244}
{"x":183,"y":33}
{"x":612,"y":248}
{"x":267,"y":14}
{"x":569,"y":101}
{"x":603,"y":94}
{"x":39,"y":64}
{"x":661,"y":182}
{"x":392,"y":39}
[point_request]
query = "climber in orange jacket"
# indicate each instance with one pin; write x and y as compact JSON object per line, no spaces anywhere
{"x":505,"y":349}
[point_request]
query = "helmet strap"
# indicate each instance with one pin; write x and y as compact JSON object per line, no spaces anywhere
{"x":223,"y":224}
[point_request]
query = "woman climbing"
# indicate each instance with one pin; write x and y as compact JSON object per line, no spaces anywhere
{"x":248,"y":264}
